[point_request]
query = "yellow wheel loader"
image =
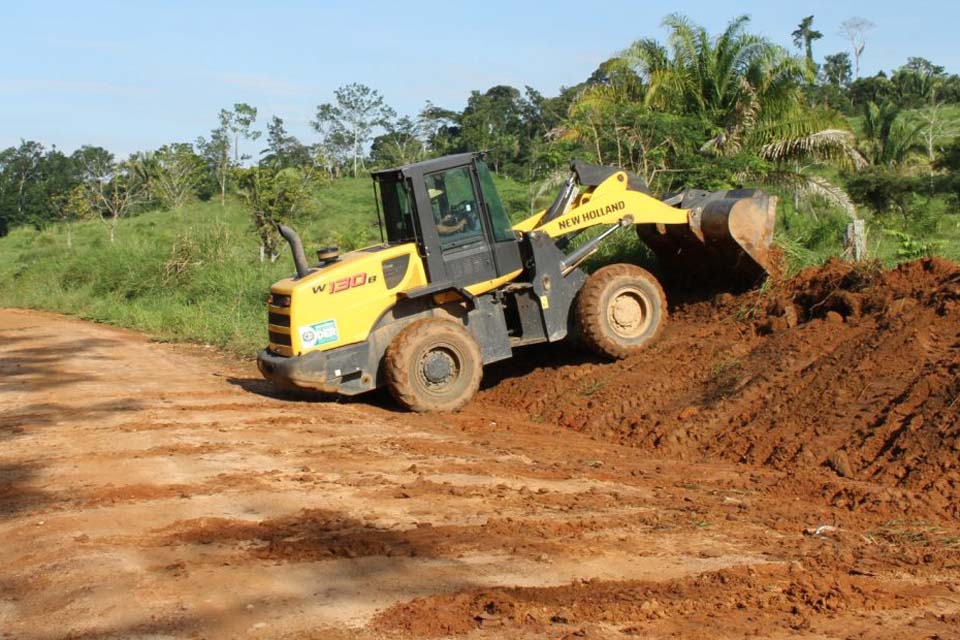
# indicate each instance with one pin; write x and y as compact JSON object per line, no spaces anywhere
{"x":454,"y":286}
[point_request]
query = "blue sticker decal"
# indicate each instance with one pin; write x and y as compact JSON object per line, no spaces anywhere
{"x":314,"y":335}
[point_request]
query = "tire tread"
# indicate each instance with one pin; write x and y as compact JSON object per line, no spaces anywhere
{"x":397,"y":372}
{"x":590,"y":314}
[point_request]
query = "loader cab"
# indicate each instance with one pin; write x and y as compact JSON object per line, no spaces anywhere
{"x":450,"y":208}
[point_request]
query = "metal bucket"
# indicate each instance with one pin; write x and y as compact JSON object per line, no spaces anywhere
{"x":728,"y":236}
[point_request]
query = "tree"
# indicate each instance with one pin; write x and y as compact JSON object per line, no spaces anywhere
{"x":887,"y":138}
{"x":358,"y":111}
{"x":746,"y":92}
{"x":936,"y":124}
{"x":603,"y":111}
{"x":112,"y":188}
{"x":283,"y":150}
{"x":336,"y":146}
{"x":807,"y":139}
{"x":803,"y":38}
{"x":949,"y":157}
{"x":6,"y":189}
{"x":274,"y":196}
{"x":837,"y":69}
{"x":493,"y":122}
{"x":32,"y":181}
{"x":176,"y":173}
{"x":920,"y":83}
{"x":74,"y":206}
{"x":59,"y":177}
{"x":400,"y":144}
{"x":23,"y":167}
{"x":240,"y":122}
{"x":855,"y":31}
{"x":216,"y":153}
{"x":441,"y":129}
{"x":866,"y":90}
{"x":233,"y":125}
{"x":730,"y":81}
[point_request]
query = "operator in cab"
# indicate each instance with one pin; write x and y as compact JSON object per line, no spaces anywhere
{"x":448,"y":221}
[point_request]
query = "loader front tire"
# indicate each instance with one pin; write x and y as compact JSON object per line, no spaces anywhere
{"x":433,"y":365}
{"x":620,"y":309}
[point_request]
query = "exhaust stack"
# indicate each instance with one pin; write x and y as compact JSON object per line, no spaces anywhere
{"x":296,"y":246}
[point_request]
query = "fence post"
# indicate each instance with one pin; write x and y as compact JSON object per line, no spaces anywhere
{"x":855,"y":241}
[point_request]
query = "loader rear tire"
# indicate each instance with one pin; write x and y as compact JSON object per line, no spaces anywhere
{"x":433,"y":365}
{"x":620,"y":309}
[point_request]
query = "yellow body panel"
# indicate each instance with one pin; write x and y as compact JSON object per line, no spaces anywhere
{"x":606,"y":204}
{"x":338,"y":304}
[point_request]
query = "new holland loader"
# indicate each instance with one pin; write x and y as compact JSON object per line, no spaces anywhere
{"x":454,"y":286}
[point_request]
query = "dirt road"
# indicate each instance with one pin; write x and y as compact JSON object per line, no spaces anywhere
{"x":158,"y":491}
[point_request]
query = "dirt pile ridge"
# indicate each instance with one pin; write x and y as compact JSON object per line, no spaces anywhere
{"x":782,"y":596}
{"x":845,"y":368}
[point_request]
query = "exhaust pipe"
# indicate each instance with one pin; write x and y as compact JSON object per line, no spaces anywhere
{"x":296,"y":246}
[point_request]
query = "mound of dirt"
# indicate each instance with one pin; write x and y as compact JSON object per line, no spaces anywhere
{"x":848,"y":370}
{"x":765,"y":598}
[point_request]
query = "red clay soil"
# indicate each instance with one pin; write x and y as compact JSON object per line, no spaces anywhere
{"x":845,"y":371}
{"x":782,"y":463}
{"x":763,"y":599}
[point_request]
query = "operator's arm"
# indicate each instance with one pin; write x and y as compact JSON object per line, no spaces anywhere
{"x":447,"y":226}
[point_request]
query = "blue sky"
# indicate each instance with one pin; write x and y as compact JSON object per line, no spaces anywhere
{"x":134,"y":75}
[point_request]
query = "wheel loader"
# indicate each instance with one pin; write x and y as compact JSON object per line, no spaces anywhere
{"x":454,"y":286}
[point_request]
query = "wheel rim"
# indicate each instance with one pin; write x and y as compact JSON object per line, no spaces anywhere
{"x":628,"y":313}
{"x":438,"y":368}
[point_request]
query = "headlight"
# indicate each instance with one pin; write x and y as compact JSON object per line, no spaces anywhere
{"x":278,"y":300}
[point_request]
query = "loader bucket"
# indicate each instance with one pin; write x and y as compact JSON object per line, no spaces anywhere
{"x":728,"y":237}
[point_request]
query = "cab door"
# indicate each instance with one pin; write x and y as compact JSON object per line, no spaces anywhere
{"x":462,"y":231}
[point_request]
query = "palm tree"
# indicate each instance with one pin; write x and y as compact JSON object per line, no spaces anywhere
{"x":595,"y":114}
{"x":804,"y":140}
{"x":888,"y":140}
{"x":727,"y":80}
{"x":749,"y":90}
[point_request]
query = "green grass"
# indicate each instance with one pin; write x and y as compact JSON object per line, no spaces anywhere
{"x":814,"y":232}
{"x":191,"y":275}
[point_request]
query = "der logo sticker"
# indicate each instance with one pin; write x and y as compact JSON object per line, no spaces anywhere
{"x":314,"y":335}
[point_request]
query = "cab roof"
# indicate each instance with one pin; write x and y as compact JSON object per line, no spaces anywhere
{"x":432,"y":165}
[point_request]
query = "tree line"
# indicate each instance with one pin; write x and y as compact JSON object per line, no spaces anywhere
{"x":696,"y":109}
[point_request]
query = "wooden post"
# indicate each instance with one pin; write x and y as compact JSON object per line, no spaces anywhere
{"x":855,"y":241}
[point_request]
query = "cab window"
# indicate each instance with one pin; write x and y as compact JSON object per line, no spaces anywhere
{"x":455,"y":209}
{"x":502,"y":231}
{"x":397,"y":199}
